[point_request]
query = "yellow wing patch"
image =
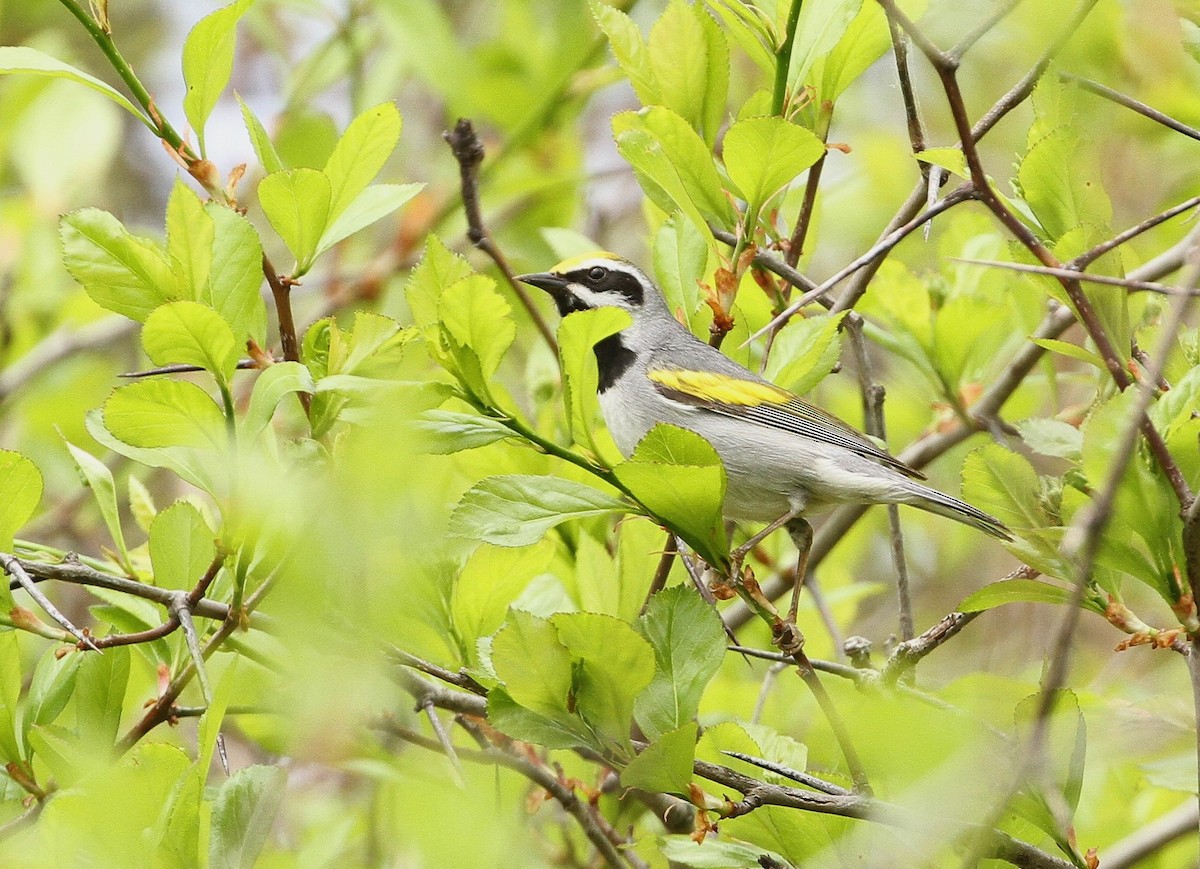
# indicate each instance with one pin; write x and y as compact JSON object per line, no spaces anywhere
{"x":710,"y":386}
{"x":573,"y":262}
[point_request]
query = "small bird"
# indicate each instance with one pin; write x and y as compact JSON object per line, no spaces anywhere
{"x":783,"y":457}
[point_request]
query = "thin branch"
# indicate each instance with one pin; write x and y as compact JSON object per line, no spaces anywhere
{"x":1070,"y":274}
{"x":1130,"y":103}
{"x":185,"y":368}
{"x":1089,"y":256}
{"x":985,"y":27}
{"x":659,"y":581}
{"x":13,"y":567}
{"x":458,"y":679}
{"x":916,"y":129}
{"x":906,"y":655}
{"x":468,"y":151}
{"x":841,"y":733}
{"x":1153,"y":837}
{"x":803,"y":778}
{"x":795,"y":246}
{"x":60,"y":345}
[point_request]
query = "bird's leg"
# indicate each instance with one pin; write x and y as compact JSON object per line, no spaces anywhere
{"x":738,"y":555}
{"x":788,"y":636}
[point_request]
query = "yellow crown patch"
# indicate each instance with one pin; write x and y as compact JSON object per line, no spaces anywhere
{"x":573,"y":262}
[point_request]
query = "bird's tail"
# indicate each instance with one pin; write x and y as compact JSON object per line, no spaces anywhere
{"x":934,"y":501}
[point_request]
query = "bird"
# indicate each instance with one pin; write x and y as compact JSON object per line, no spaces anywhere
{"x":784,"y":458}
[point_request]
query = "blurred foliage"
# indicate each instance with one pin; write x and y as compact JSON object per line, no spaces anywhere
{"x":413,"y":471}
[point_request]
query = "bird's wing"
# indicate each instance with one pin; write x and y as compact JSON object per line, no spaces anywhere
{"x":764,"y":403}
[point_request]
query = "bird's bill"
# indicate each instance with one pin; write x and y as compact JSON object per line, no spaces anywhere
{"x":555,"y":285}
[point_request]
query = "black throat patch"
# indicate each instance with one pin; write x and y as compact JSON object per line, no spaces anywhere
{"x":612,"y":360}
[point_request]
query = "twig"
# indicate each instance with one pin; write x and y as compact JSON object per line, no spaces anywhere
{"x":837,"y":724}
{"x":803,"y":778}
{"x":1153,"y":837}
{"x":184,"y":368}
{"x":906,"y":655}
{"x":1089,"y":256}
{"x":60,"y":345}
{"x":468,"y":151}
{"x":13,"y":567}
{"x":1130,"y":103}
{"x":795,"y":246}
{"x":1072,"y":275}
{"x":985,"y":27}
{"x":659,"y":580}
{"x":916,"y":130}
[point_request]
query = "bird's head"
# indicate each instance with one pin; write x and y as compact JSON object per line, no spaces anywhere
{"x":598,"y":280}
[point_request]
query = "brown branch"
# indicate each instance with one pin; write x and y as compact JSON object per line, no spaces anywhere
{"x":795,"y":245}
{"x":817,"y":784}
{"x":468,"y":151}
{"x":14,"y":568}
{"x":985,"y":27}
{"x":906,"y":655}
{"x":663,"y":570}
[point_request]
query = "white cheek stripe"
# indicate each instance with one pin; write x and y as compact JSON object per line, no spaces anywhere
{"x":599,"y":300}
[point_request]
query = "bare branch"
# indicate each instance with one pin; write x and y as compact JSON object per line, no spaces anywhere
{"x":468,"y":151}
{"x":1072,"y":275}
{"x":1130,"y":103}
{"x":13,"y":567}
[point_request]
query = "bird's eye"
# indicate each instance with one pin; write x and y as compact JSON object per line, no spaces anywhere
{"x":597,"y":273}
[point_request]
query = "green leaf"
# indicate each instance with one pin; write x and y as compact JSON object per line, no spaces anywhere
{"x":190,"y":333}
{"x":763,"y":155}
{"x":439,"y":268}
{"x":690,"y":64}
{"x":29,"y":61}
{"x":271,"y":386}
{"x":805,"y":351}
{"x":359,"y":155}
{"x":120,"y":271}
{"x":865,"y":40}
{"x":611,"y":665}
{"x":543,"y":689}
{"x":100,"y":695}
{"x":689,"y":645}
{"x":1074,"y":351}
{"x":10,"y":692}
{"x":477,"y":327}
{"x":1015,"y":591}
{"x":52,"y":686}
{"x":673,"y":165}
{"x":237,"y":274}
{"x":488,"y":584}
{"x":372,"y":204}
{"x":445,"y":431}
{"x":1065,"y":738}
{"x":665,"y":765}
{"x":517,"y":722}
{"x":264,"y":148}
{"x":818,"y":29}
{"x":713,"y":853}
{"x":20,"y":492}
{"x":201,"y":469}
{"x":190,"y":234}
{"x":164,"y":413}
{"x":208,"y":63}
{"x":577,"y":336}
{"x":951,"y":159}
{"x":242,"y":815}
{"x":1050,"y":180}
{"x":1004,"y":484}
{"x":629,"y":49}
{"x":97,"y":477}
{"x":678,"y":476}
{"x":680,"y":260}
{"x":179,"y":845}
{"x":296,"y":202}
{"x":517,"y":509}
{"x":1052,"y":437}
{"x":181,"y":546}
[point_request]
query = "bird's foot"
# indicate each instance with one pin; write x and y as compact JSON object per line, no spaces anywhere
{"x":787,"y":637}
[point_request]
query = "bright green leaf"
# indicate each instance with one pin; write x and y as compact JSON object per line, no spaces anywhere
{"x":164,"y":413}
{"x":208,"y":62}
{"x":517,"y":509}
{"x":444,"y":431}
{"x":268,"y":157}
{"x":372,"y":204}
{"x":237,"y":274}
{"x":544,"y":689}
{"x":100,"y":695}
{"x":1015,"y":591}
{"x":805,"y":351}
{"x":359,"y":155}
{"x":488,"y":584}
{"x":10,"y":692}
{"x":190,"y":234}
{"x":181,"y":546}
{"x":53,"y":684}
{"x":689,"y":645}
{"x":629,"y":49}
{"x":97,"y":477}
{"x":680,"y":260}
{"x":191,"y":333}
{"x":271,"y":386}
{"x":20,"y":492}
{"x":764,"y":154}
{"x":29,"y":61}
{"x":1052,"y":437}
{"x":665,"y":765}
{"x":296,"y":202}
{"x":120,"y":271}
